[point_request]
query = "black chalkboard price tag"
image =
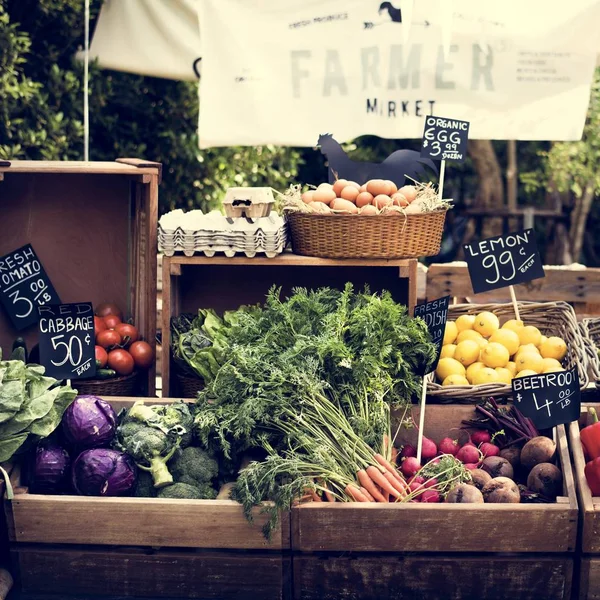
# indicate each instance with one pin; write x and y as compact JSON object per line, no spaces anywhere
{"x":24,"y":285}
{"x":445,"y":139}
{"x":503,"y":260}
{"x":549,"y":399}
{"x":435,"y":315}
{"x":67,"y":340}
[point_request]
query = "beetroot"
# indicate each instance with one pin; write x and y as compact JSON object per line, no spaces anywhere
{"x":410,"y":466}
{"x":448,"y":446}
{"x":489,"y":449}
{"x":468,"y":454}
{"x":480,"y":437}
{"x":430,"y":496}
{"x":428,"y":449}
{"x":497,"y":466}
{"x":408,"y":451}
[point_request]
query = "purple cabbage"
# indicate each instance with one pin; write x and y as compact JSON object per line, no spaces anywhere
{"x":50,"y":470}
{"x":101,"y":472}
{"x":89,"y":422}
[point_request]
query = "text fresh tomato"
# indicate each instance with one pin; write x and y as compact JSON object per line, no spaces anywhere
{"x":111,"y":321}
{"x":107,"y":308}
{"x":99,"y":325}
{"x":101,"y":356}
{"x":128,"y":332}
{"x":143,"y":354}
{"x":108,"y":338}
{"x":121,"y":362}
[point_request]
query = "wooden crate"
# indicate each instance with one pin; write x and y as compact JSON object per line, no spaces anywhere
{"x":438,"y":550}
{"x":142,"y":546}
{"x":190,"y":283}
{"x":94,"y":227}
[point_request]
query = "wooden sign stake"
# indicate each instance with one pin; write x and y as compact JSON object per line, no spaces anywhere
{"x":421,"y":420}
{"x":514,"y":301}
{"x":442,"y":173}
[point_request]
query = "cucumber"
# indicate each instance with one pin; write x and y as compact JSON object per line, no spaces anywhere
{"x":105,"y":374}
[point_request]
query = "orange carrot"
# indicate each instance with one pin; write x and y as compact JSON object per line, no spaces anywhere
{"x":368,"y":483}
{"x":394,"y":456}
{"x":386,"y":465}
{"x":378,"y":478}
{"x":315,"y":496}
{"x":365,"y":491}
{"x":355,"y":493}
{"x":330,"y":497}
{"x":395,"y":483}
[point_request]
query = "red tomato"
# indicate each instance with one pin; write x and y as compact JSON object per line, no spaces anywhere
{"x":99,"y":325}
{"x":108,"y":338}
{"x":143,"y":354}
{"x":102,"y":356}
{"x":121,"y":361}
{"x":128,"y":332}
{"x":107,"y":308}
{"x":111,"y":321}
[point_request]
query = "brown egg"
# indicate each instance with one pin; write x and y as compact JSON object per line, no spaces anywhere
{"x":354,"y":184}
{"x":363,"y":199}
{"x":392,"y":187}
{"x":350,"y":193}
{"x":339,"y":185}
{"x":344,"y":205}
{"x":368,"y":209}
{"x":398,"y":199}
{"x":363,"y":188}
{"x":382,"y":200}
{"x":320,"y":207}
{"x":324,"y":195}
{"x":308,"y":197}
{"x":325,"y":186}
{"x":376,"y":187}
{"x":409,"y":192}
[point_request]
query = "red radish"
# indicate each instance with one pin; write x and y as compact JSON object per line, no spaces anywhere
{"x":430,"y":496}
{"x":415,"y":487}
{"x":428,"y":449}
{"x":481,"y":437}
{"x":430,"y":483}
{"x":471,"y":466}
{"x":408,"y":451}
{"x":410,"y":466}
{"x":469,"y":443}
{"x":418,"y":479}
{"x":448,"y":446}
{"x":489,"y":449}
{"x":468,"y":455}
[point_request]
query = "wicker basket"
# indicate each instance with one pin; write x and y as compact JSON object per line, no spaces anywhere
{"x":551,"y":318}
{"x":377,"y":236}
{"x":590,"y":330}
{"x":119,"y":386}
{"x":189,"y":386}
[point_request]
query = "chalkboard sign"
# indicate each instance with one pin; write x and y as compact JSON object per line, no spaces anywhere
{"x":67,"y":341}
{"x":445,"y":139}
{"x":549,"y":399}
{"x":503,"y":260}
{"x":24,"y":285}
{"x":435,"y":314}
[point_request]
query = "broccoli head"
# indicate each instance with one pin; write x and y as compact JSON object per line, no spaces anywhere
{"x":181,"y":491}
{"x":173,"y":418}
{"x":194,"y":466}
{"x":144,"y":487}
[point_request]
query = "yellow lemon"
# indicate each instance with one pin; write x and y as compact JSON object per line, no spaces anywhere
{"x":448,"y":351}
{"x":482,"y":343}
{"x":472,"y":369}
{"x":512,"y":367}
{"x":529,"y":361}
{"x":486,"y":323}
{"x":551,"y":363}
{"x":455,"y":380}
{"x":504,"y":375}
{"x":467,"y":352}
{"x":485,"y":375}
{"x":450,"y":332}
{"x":525,"y":373}
{"x":508,"y":338}
{"x":449,"y":366}
{"x":469,"y":334}
{"x":465,"y":322}
{"x":495,"y":355}
{"x":543,"y":340}
{"x":553,"y":347}
{"x":527,"y":348}
{"x":529,"y":335}
{"x":514,"y":325}
{"x":552,"y":370}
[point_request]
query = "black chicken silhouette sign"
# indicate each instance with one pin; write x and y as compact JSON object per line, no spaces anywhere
{"x":397,"y":167}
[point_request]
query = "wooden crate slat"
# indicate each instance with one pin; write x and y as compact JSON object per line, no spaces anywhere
{"x":98,"y":167}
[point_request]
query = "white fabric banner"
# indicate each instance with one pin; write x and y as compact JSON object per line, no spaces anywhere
{"x":284,"y":71}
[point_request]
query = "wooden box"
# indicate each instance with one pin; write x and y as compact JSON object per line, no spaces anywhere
{"x":94,"y":228}
{"x":438,"y":550}
{"x":143,"y":546}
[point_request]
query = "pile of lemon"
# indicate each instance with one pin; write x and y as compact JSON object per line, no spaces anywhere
{"x":476,"y":350}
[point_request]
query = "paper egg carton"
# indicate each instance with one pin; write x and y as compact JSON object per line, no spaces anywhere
{"x":196,"y":233}
{"x":251,"y":202}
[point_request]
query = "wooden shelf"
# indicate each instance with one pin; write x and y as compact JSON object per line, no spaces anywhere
{"x":119,"y":167}
{"x":287,"y":259}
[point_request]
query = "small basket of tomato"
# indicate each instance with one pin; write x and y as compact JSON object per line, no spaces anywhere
{"x":120,"y":355}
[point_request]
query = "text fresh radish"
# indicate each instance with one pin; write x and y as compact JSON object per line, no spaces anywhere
{"x":480,"y":437}
{"x":410,"y":466}
{"x":448,"y":446}
{"x":489,"y":449}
